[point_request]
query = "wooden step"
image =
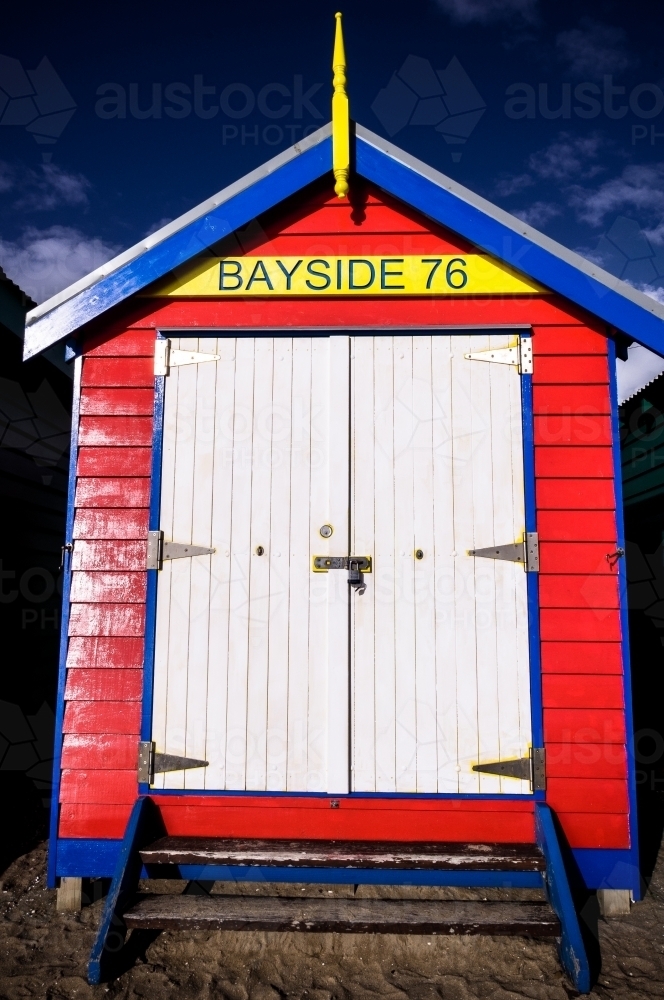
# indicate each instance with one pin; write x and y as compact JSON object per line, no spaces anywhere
{"x":343,"y":854}
{"x":354,"y":916}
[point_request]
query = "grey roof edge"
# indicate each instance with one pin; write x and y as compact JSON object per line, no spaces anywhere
{"x":135,"y":251}
{"x":512,"y":222}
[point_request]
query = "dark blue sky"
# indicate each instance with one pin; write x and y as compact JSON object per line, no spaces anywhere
{"x":581,"y":161}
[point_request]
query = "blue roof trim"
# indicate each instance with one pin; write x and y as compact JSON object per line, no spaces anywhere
{"x":178,"y":248}
{"x":401,"y":175}
{"x":447,"y":208}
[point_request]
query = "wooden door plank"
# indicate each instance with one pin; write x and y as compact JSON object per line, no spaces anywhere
{"x":365,"y":615}
{"x":259,"y":580}
{"x":162,"y":663}
{"x":492,"y":483}
{"x":385,"y":564}
{"x":278,"y":428}
{"x":466,"y":427}
{"x":423,"y":569}
{"x":404,"y":544}
{"x":179,"y":581}
{"x":444,"y":556}
{"x":313,"y":377}
{"x":513,"y":650}
{"x":338,"y":683}
{"x":222,"y":563}
{"x":199,"y":649}
{"x":239,"y":606}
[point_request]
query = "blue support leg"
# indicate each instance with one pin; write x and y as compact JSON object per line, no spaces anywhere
{"x":144,"y":823}
{"x":573,"y":954}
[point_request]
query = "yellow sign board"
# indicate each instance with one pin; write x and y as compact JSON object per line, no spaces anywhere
{"x":448,"y":274}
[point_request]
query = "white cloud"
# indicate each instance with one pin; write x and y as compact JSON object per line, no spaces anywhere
{"x":653,"y":293}
{"x":6,"y":177}
{"x":655,"y":235}
{"x":593,"y":49}
{"x":507,"y":186}
{"x":45,"y":261}
{"x":567,"y":157}
{"x":52,"y":187}
{"x":157,"y":225}
{"x":538,"y":214}
{"x":488,"y":11}
{"x":639,"y":187}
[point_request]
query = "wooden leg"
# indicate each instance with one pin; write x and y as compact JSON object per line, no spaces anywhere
{"x":614,"y":902}
{"x":69,"y":895}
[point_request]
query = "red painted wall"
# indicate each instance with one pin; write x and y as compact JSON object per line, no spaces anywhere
{"x":582,"y":666}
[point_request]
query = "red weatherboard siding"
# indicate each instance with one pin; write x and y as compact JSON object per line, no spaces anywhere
{"x":582,"y":684}
{"x":107,"y":621}
{"x":581,"y":654}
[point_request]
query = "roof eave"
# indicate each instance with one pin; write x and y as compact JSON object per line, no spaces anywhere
{"x":155,"y":256}
{"x":508,"y":238}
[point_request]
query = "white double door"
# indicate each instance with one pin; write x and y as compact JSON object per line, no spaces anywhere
{"x":286,"y":679}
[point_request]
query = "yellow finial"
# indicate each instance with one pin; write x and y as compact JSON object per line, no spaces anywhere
{"x":340,"y":123}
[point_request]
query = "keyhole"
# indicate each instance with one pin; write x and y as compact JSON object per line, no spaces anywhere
{"x":419,"y":554}
{"x":259,"y":550}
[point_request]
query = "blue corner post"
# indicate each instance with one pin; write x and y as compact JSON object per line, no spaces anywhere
{"x":144,"y":824}
{"x":573,"y":954}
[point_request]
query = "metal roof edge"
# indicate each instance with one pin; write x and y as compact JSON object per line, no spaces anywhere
{"x":200,"y":210}
{"x":520,"y":228}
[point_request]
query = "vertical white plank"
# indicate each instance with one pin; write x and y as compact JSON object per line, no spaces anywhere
{"x":363,"y":535}
{"x":466,"y":426}
{"x":200,"y":534}
{"x":239,"y":598}
{"x":259,"y":579}
{"x":222,"y":492}
{"x":486,"y":491}
{"x":279,"y":423}
{"x":404,"y":536}
{"x":384,"y":575}
{"x":180,"y":609}
{"x":162,"y":633}
{"x":316,"y":407}
{"x":338,"y":756}
{"x":445,"y":563}
{"x":424,"y":576}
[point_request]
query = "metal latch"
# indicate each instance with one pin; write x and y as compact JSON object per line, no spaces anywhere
{"x":525,"y":552}
{"x":357,"y":566}
{"x":150,"y":762}
{"x":160,"y":551}
{"x":520,"y":355}
{"x":531,"y":768}
{"x":166,"y":358}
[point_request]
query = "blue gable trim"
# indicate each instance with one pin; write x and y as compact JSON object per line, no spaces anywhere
{"x":180,"y":247}
{"x":486,"y":231}
{"x":397,"y":173}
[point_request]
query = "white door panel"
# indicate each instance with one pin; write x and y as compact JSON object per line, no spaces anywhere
{"x":439,"y":645}
{"x":242,"y":639}
{"x":272,"y":672}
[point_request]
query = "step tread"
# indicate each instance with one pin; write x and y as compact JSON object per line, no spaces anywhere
{"x":343,"y":854}
{"x":395,"y":916}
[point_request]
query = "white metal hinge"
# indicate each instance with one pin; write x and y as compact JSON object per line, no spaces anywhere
{"x":526,"y":552}
{"x":159,"y":551}
{"x":150,"y":762}
{"x":166,"y":358}
{"x":521,"y":355}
